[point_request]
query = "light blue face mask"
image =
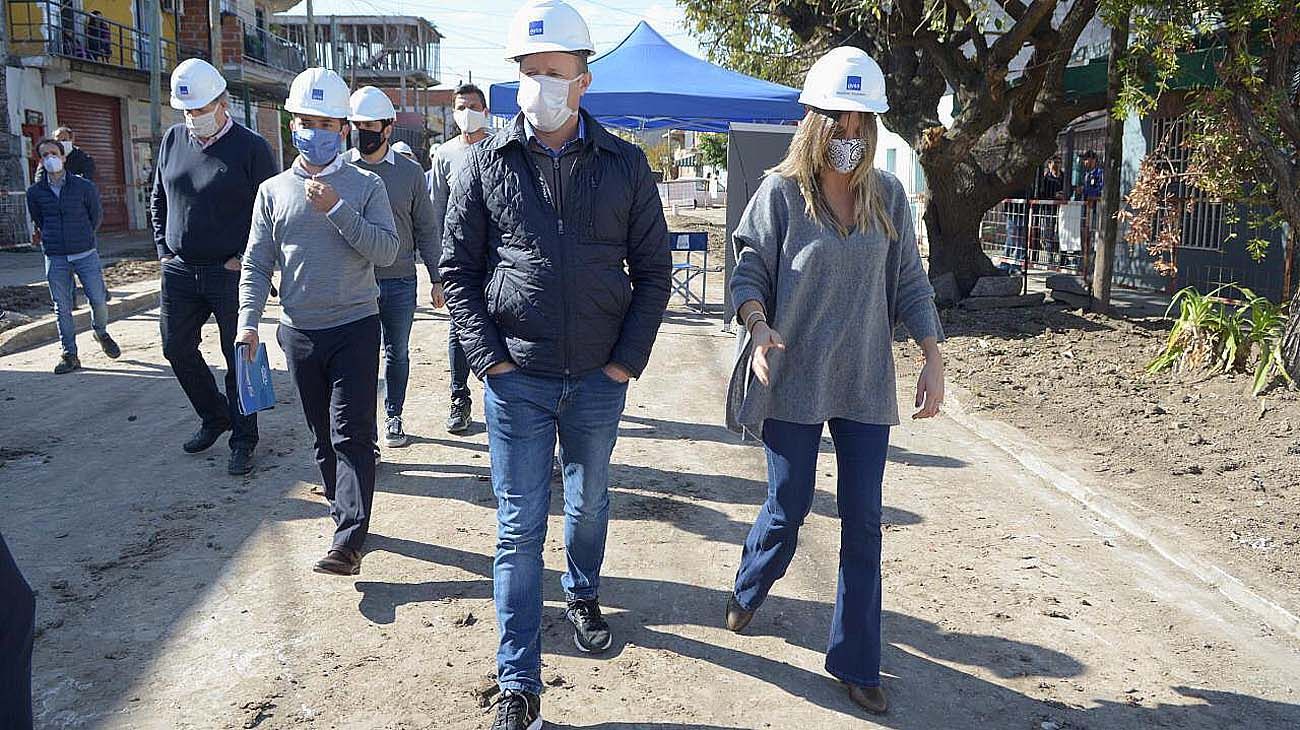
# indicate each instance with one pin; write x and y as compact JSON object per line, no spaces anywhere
{"x":318,"y":146}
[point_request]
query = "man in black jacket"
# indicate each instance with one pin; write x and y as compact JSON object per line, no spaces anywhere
{"x":209,"y":169}
{"x":79,"y":162}
{"x":541,"y":221}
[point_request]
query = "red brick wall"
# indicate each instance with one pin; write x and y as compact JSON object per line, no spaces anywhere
{"x":232,"y":40}
{"x":194,"y":25}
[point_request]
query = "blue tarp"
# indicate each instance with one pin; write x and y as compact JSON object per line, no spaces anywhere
{"x":648,"y":83}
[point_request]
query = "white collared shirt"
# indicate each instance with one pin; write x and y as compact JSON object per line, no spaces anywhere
{"x":330,"y":169}
{"x":354,"y":155}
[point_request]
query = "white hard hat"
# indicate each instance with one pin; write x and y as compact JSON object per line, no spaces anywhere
{"x":369,"y":104}
{"x":318,"y":92}
{"x":195,"y":83}
{"x":547,"y":25}
{"x":845,"y":80}
{"x":403,"y":148}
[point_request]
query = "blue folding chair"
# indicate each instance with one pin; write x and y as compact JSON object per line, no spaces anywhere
{"x":685,"y":270}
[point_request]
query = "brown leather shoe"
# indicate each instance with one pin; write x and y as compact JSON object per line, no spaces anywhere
{"x":871,"y":699}
{"x":737,"y":617}
{"x":339,"y":561}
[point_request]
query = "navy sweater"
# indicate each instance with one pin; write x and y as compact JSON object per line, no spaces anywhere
{"x":202,"y":204}
{"x":67,"y":221}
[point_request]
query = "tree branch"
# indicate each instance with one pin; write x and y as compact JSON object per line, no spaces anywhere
{"x":1006,"y":47}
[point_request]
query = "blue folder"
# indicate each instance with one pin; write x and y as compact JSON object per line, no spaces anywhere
{"x":254,"y":381}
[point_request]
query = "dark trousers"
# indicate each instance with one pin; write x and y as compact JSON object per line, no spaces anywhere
{"x":459,"y":365}
{"x":853,"y":650}
{"x":17,"y":629}
{"x":337,"y":373}
{"x":190,"y":295}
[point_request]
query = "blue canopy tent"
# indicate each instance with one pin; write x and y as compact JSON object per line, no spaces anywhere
{"x":648,"y":83}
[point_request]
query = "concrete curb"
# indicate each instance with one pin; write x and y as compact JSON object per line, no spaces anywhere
{"x":1163,"y":539}
{"x":45,"y":330}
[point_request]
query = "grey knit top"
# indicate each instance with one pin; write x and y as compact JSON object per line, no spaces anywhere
{"x":834,"y":301}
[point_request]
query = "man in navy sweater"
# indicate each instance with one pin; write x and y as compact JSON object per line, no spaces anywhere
{"x":66,"y":212}
{"x":209,"y":169}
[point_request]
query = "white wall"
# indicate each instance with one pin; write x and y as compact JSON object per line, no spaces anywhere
{"x":905,"y":164}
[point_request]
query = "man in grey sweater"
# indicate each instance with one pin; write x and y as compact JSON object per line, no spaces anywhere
{"x":373,"y":115}
{"x":326,"y":225}
{"x":471,"y":117}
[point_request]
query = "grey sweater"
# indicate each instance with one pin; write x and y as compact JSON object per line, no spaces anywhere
{"x":418,"y":229}
{"x":835,"y":302}
{"x":327,"y":260}
{"x":446,"y":161}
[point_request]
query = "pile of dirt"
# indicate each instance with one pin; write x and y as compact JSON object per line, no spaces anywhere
{"x":129,"y":271}
{"x":26,"y":299}
{"x":1200,"y":450}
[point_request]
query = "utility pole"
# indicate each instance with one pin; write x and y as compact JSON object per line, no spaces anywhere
{"x":311,"y":36}
{"x":214,"y":31}
{"x":154,"y":24}
{"x":1103,"y":267}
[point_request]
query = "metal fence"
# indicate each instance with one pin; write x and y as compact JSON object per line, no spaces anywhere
{"x":264,"y":47}
{"x":15,"y":223}
{"x":1051,"y":235}
{"x":45,"y":27}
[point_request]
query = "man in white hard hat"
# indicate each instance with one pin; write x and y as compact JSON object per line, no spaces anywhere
{"x":470,"y":113}
{"x":405,"y":150}
{"x":327,"y":225}
{"x":208,"y":172}
{"x":372,"y":116}
{"x":557,"y":268}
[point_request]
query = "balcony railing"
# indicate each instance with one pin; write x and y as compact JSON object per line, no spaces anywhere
{"x":45,"y":27}
{"x":268,"y":49}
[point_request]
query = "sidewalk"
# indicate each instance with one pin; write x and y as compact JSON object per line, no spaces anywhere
{"x":28,"y":267}
{"x":172,"y":595}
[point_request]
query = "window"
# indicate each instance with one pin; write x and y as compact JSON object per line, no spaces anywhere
{"x":891,"y":160}
{"x":918,"y":175}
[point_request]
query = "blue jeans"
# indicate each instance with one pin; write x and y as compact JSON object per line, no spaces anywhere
{"x":396,"y":314}
{"x":58,"y":272}
{"x":853,"y":653}
{"x":459,"y":365}
{"x":525,"y":413}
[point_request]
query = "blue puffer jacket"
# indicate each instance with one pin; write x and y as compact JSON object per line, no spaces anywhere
{"x":556,"y":300}
{"x":67,"y":222}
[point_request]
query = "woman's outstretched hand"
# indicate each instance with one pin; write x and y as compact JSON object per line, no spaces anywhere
{"x":765,"y":338}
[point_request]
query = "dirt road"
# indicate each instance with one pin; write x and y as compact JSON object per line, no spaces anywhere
{"x":173,"y":596}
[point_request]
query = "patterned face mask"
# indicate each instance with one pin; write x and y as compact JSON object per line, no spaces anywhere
{"x":844,"y":155}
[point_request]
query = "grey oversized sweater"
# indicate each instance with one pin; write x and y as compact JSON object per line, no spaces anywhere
{"x":327,"y":260}
{"x":834,"y":301}
{"x":418,"y":229}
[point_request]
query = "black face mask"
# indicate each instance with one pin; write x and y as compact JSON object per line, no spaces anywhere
{"x":369,"y":142}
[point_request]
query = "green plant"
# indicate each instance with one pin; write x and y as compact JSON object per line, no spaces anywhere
{"x":1216,"y":337}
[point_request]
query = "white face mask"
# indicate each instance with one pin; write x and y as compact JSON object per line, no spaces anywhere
{"x":202,"y":126}
{"x":67,"y":147}
{"x":469,"y":120}
{"x":545,"y":101}
{"x":52,"y":164}
{"x":846,"y":154}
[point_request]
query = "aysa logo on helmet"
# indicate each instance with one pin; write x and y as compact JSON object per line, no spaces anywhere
{"x":853,"y":83}
{"x":183,"y":91}
{"x":536,"y":27}
{"x":318,"y":95}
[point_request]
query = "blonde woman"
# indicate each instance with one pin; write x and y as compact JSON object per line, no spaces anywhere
{"x":827,"y":263}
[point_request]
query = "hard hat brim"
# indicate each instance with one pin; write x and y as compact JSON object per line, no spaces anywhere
{"x":528,"y":49}
{"x":294,"y":108}
{"x":368,"y":118}
{"x":839,"y":104}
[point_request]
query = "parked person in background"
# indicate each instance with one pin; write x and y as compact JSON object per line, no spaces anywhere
{"x":65,"y":212}
{"x":470,"y":113}
{"x":405,"y":150}
{"x":827,"y":233}
{"x":327,"y":226}
{"x":17,"y":632}
{"x":1051,"y":187}
{"x":1093,"y":177}
{"x":557,"y":270}
{"x":79,"y":162}
{"x":208,"y":172}
{"x":372,"y":116}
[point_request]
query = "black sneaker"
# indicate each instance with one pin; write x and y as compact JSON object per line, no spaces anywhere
{"x":204,"y":438}
{"x":590,"y":629}
{"x":108,"y":345}
{"x":518,"y":711}
{"x":460,"y":419}
{"x":67,"y":363}
{"x":241,"y":461}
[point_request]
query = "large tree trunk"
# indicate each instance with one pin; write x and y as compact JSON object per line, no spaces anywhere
{"x":952,"y":226}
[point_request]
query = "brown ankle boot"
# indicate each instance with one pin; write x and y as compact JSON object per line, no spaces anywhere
{"x":737,"y":617}
{"x":871,"y":699}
